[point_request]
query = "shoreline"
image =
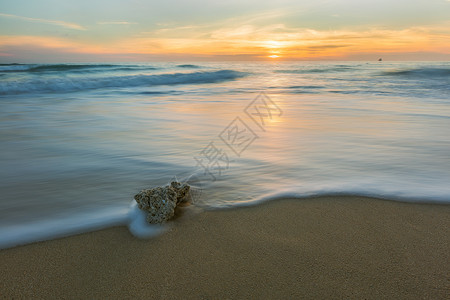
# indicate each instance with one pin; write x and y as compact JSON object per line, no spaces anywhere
{"x":333,"y":246}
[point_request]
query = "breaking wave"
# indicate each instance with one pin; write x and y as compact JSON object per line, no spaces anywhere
{"x":67,"y":84}
{"x":316,"y":70}
{"x":420,"y":72}
{"x":188,"y":66}
{"x":36,"y":68}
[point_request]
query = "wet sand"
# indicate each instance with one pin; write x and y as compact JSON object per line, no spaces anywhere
{"x":328,"y":247}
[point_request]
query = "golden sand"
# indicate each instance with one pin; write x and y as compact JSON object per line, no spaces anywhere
{"x":329,"y":247}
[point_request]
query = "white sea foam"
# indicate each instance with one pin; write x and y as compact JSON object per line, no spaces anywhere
{"x":21,"y":234}
{"x":133,"y":217}
{"x":420,"y":195}
{"x":138,"y":225}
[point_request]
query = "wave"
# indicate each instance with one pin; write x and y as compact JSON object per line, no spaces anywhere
{"x":46,"y":68}
{"x":420,"y":72}
{"x":316,"y":70}
{"x":66,"y":67}
{"x":62,"y":226}
{"x":189,"y":66}
{"x":306,"y":87}
{"x":134,"y":218}
{"x":136,"y":68}
{"x":418,"y":195}
{"x":72,"y":68}
{"x":67,"y":84}
{"x":14,"y":68}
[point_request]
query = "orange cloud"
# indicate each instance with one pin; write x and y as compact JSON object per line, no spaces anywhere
{"x":276,"y":41}
{"x":61,"y":44}
{"x":298,"y":43}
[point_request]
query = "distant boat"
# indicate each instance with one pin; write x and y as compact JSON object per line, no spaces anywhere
{"x":380,"y":59}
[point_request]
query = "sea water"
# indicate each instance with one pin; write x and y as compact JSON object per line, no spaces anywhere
{"x":77,"y":141}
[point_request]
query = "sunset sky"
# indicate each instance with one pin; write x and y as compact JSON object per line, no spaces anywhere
{"x":175,"y":30}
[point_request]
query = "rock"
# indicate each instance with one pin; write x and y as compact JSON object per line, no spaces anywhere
{"x":182,"y":191}
{"x":160,"y":202}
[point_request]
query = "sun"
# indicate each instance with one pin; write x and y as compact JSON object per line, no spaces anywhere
{"x":273,"y":56}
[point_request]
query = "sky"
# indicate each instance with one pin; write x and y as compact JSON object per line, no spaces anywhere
{"x":40,"y":31}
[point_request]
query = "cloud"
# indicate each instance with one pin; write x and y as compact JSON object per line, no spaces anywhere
{"x":116,"y":23}
{"x":44,"y":21}
{"x":55,"y":44}
{"x":292,"y":42}
{"x":249,"y":41}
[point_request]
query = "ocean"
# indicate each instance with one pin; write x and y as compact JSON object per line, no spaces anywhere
{"x":78,"y":141}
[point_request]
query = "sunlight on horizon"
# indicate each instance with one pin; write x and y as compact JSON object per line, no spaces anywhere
{"x":340,"y":30}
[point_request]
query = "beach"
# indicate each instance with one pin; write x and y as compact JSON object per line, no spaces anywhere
{"x":326,"y":247}
{"x":294,"y":150}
